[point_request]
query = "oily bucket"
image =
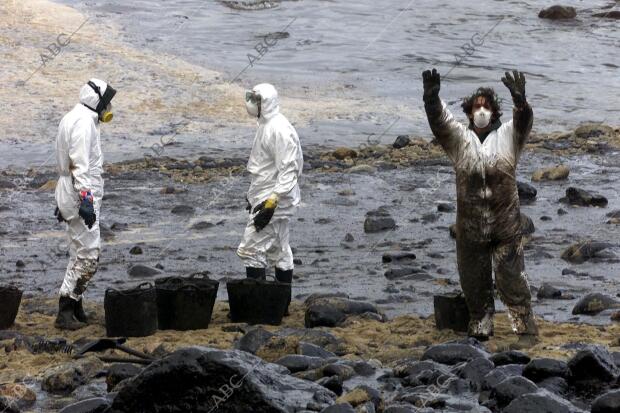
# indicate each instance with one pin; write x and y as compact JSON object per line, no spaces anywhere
{"x":257,"y":301}
{"x":185,"y":303}
{"x":451,"y":312}
{"x":132,"y":312}
{"x":10,"y":298}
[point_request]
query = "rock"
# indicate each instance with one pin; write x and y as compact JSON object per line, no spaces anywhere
{"x":94,"y":405}
{"x":593,"y":130}
{"x":542,"y":401}
{"x":615,"y":316}
{"x":594,"y":303}
{"x":527,"y":193}
{"x":581,"y":197}
{"x":141,"y":270}
{"x":453,"y":353}
{"x":339,"y":408}
{"x":202,"y":225}
{"x":445,"y":207}
{"x":511,"y":388}
{"x":527,"y":225}
{"x":401,"y":141}
{"x":330,"y":312}
{"x":378,"y":220}
{"x":312,"y":350}
{"x":343,"y":153}
{"x":20,"y":264}
{"x":407,"y":273}
{"x":333,"y":383}
{"x":5,"y":184}
{"x":556,"y":385}
{"x":612,"y":14}
{"x":65,"y":378}
{"x":607,"y":403}
{"x":343,"y":371}
{"x":453,"y":231}
{"x":362,"y":169}
{"x":202,"y":378}
{"x":548,"y":291}
{"x":594,"y":363}
{"x":509,"y":357}
{"x":119,"y":372}
{"x":135,"y":250}
{"x":476,"y":370}
{"x":254,"y":339}
{"x":555,"y":173}
{"x":540,"y":369}
{"x":16,"y":396}
{"x":298,"y":362}
{"x":501,"y":373}
{"x":397,"y":256}
{"x":362,"y":394}
{"x":558,"y":13}
{"x":583,"y":251}
{"x":349,"y":238}
{"x":183,"y":210}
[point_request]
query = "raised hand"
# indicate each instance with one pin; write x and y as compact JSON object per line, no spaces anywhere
{"x":516,"y":85}
{"x":432,"y":84}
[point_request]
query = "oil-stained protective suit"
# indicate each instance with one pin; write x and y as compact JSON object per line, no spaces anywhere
{"x":275,"y":164}
{"x":488,"y":219}
{"x":80,"y":166}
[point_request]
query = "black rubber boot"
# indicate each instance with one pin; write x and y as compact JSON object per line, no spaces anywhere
{"x":66,"y":315}
{"x":255,"y":273}
{"x":79,"y":313}
{"x":286,"y":276}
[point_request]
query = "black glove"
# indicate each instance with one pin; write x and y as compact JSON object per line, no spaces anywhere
{"x":87,"y":209}
{"x":516,"y":85}
{"x":248,"y":207}
{"x":265,"y":212}
{"x":432,"y":84}
{"x":58,"y":215}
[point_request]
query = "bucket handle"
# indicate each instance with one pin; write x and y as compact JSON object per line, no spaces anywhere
{"x":200,"y":275}
{"x":125,"y":292}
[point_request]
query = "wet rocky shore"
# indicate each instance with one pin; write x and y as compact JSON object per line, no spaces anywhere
{"x":374,"y":228}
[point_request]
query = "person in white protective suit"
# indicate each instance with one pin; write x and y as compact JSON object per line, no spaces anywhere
{"x":488,"y":222}
{"x":78,"y":195}
{"x":275,"y":165}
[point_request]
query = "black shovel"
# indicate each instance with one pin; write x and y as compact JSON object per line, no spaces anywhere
{"x":103,"y":344}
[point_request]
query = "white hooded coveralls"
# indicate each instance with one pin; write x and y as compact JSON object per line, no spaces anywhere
{"x":80,"y":165}
{"x":275,"y":164}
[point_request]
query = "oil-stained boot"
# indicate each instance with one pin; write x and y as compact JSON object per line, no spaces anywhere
{"x":286,"y":276}
{"x":79,"y":313}
{"x":65,"y":320}
{"x":481,"y":329}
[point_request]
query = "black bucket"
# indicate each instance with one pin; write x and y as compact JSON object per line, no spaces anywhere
{"x":131,"y":313}
{"x":257,"y":301}
{"x":10,"y":298}
{"x":185,"y":303}
{"x":451,"y":312}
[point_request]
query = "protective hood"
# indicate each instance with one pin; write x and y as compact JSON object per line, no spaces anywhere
{"x":269,"y":103}
{"x":90,"y":98}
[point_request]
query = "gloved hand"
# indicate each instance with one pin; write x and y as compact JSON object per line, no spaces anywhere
{"x":58,"y":215}
{"x":432,"y":84}
{"x":248,"y":207}
{"x":87,"y":208}
{"x":265,"y":212}
{"x":516,"y":85}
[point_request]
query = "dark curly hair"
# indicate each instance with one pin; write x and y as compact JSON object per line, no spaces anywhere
{"x":490,"y":95}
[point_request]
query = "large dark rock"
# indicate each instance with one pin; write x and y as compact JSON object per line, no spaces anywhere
{"x":398,"y":256}
{"x":581,"y":197}
{"x":475,"y":371}
{"x":594,"y":363}
{"x":510,"y":357}
{"x":527,"y":193}
{"x":594,"y":303}
{"x":254,"y":339}
{"x":453,"y":353}
{"x":330,"y":312}
{"x":540,"y":402}
{"x":378,"y":220}
{"x":94,"y":405}
{"x":411,"y":367}
{"x":339,"y":408}
{"x":607,"y":403}
{"x":65,"y":378}
{"x":548,"y":291}
{"x":556,"y":385}
{"x":119,"y":372}
{"x":511,"y":388}
{"x":583,"y":251}
{"x":202,"y":378}
{"x":558,"y":12}
{"x":500,"y":374}
{"x":297,"y":362}
{"x":401,"y":141}
{"x":141,"y":270}
{"x":540,"y":369}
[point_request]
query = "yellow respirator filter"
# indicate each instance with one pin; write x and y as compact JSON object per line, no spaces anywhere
{"x":106,"y":116}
